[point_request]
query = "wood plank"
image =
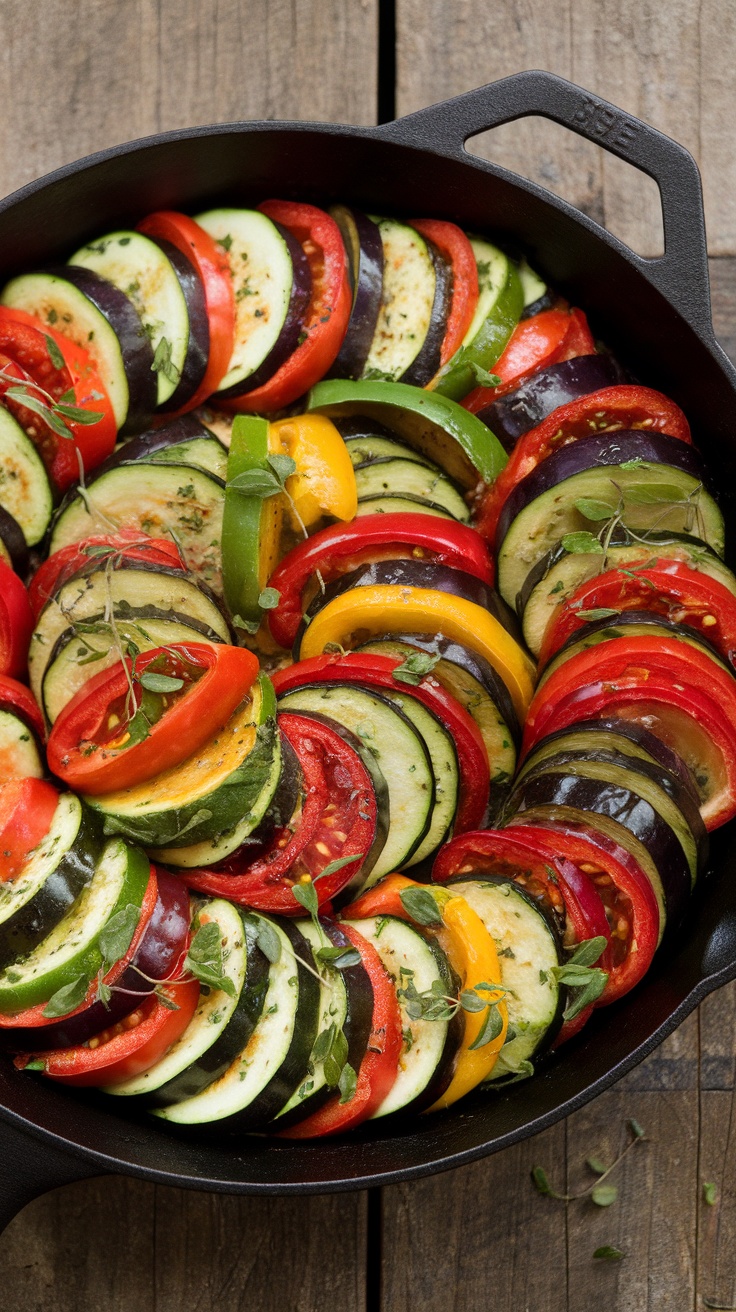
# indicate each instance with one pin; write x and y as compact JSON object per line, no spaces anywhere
{"x":671,"y":65}
{"x":479,"y":1237}
{"x":126,"y":1246}
{"x":109,"y":72}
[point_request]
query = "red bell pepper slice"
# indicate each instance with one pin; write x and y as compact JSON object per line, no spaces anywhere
{"x":630,"y":904}
{"x":126,"y":544}
{"x":343,"y":547}
{"x":24,"y":340}
{"x":327,"y":316}
{"x":26,"y":810}
{"x":379,"y":672}
{"x":128,"y":1047}
{"x":625,"y":406}
{"x":338,"y":820}
{"x":94,"y":745}
{"x":16,"y":623}
{"x":380,"y":1064}
{"x":210,"y":262}
{"x":455,"y":247}
{"x":536,"y":343}
{"x":15,"y":697}
{"x":670,"y":588}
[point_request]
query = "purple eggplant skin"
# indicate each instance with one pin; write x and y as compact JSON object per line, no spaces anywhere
{"x":356,"y":1028}
{"x":514,"y":414}
{"x":157,"y":957}
{"x":147,"y":444}
{"x":624,"y":620}
{"x":135,"y":346}
{"x":419,"y":574}
{"x":633,"y":765}
{"x":608,"y":449}
{"x":631,"y":731}
{"x":362,"y":240}
{"x":583,"y":799}
{"x":291,"y":329}
{"x":425,"y":364}
{"x":198,"y":346}
{"x":14,"y":542}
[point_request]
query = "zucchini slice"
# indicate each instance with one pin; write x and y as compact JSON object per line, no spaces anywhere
{"x":443,"y":755}
{"x":72,"y":948}
{"x":430,"y":1046}
{"x":273,"y":1062}
{"x":164,"y":501}
{"x":25,"y":491}
{"x":346,"y":1001}
{"x":364,"y":448}
{"x":407,"y":477}
{"x":262,"y":272}
{"x":400,"y":752}
{"x":396,"y":503}
{"x":138,"y":266}
{"x":407,"y":302}
{"x":135,"y":592}
{"x":51,"y":880}
{"x":234,"y":776}
{"x":19,"y":750}
{"x":220,"y":1027}
{"x":528,"y":944}
{"x":207,"y":453}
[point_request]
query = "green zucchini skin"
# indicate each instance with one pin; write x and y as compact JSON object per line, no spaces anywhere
{"x":247,"y":790}
{"x":197,"y":1074}
{"x":30,"y":908}
{"x":73,"y":949}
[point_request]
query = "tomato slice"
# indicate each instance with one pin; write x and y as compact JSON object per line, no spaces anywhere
{"x":16,"y":623}
{"x":625,"y":406}
{"x":16,"y":697}
{"x":129,"y":1047}
{"x":453,"y":244}
{"x":671,"y":588}
{"x":338,"y":820}
{"x":126,"y":544}
{"x":328,"y":313}
{"x":26,"y":341}
{"x":537,"y":342}
{"x":26,"y":810}
{"x":378,"y":672}
{"x":131,"y":722}
{"x":343,"y":547}
{"x":380,"y":1064}
{"x":210,"y":262}
{"x":632,"y":912}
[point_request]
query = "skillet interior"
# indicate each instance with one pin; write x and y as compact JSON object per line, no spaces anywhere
{"x":376,"y":169}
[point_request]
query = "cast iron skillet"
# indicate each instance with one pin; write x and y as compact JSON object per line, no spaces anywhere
{"x":656,"y":316}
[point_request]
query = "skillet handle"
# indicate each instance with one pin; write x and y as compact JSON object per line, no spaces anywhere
{"x":30,"y":1168}
{"x":681,"y":274}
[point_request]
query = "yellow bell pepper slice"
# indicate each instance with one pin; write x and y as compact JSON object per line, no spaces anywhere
{"x":360,"y":613}
{"x":324,"y":481}
{"x":473,"y":953}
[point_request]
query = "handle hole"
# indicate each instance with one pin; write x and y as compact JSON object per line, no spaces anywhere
{"x":622,"y":199}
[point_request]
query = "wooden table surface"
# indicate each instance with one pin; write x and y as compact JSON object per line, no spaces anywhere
{"x":77,"y":75}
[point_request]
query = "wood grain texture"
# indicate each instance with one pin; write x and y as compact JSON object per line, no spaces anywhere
{"x":670,"y":64}
{"x":105,"y":71}
{"x":126,"y":1246}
